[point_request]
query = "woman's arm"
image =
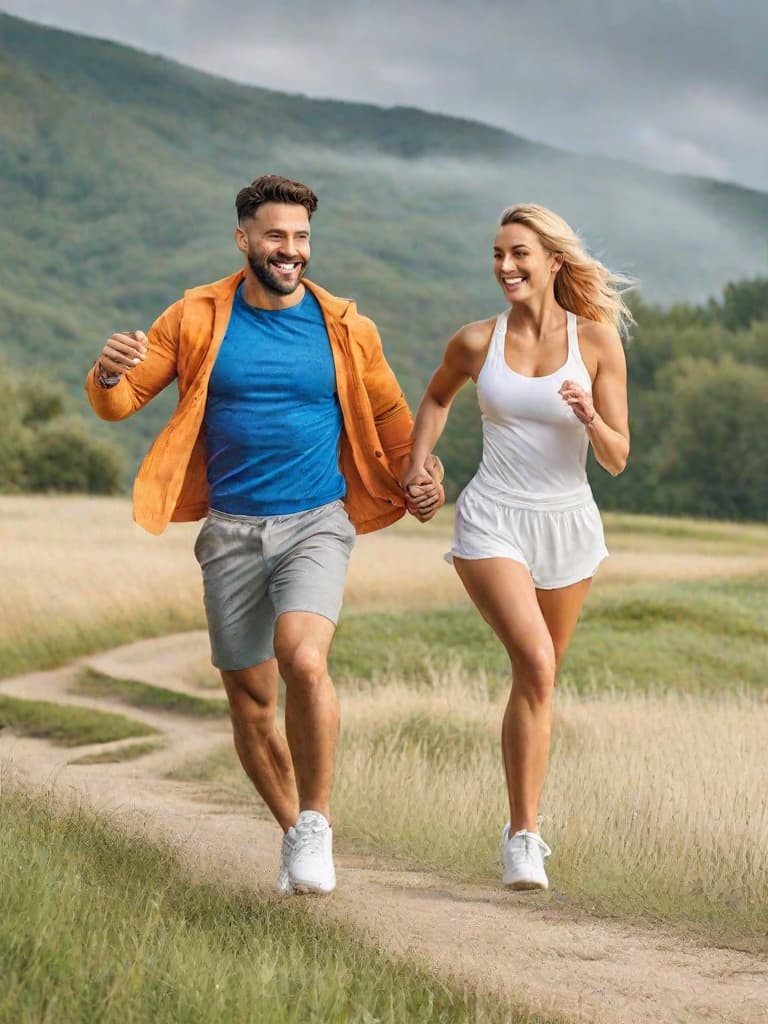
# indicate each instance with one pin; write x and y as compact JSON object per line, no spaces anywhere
{"x":462,"y":360}
{"x":605,"y":415}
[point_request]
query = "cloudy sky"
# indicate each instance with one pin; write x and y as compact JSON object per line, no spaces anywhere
{"x":680,"y":85}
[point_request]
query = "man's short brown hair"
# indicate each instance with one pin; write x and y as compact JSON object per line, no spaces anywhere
{"x":272,"y":188}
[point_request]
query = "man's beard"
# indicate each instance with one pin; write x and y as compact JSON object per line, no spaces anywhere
{"x":269,"y":279}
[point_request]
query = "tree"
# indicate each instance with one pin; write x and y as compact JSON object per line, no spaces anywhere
{"x":745,"y":302}
{"x":712,"y":460}
{"x":44,"y":449}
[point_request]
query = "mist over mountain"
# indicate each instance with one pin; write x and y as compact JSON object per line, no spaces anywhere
{"x":119,"y":171}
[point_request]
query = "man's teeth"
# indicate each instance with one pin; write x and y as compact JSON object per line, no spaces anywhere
{"x":286,"y":266}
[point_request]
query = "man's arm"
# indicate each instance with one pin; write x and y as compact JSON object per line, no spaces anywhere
{"x":132,"y":368}
{"x":394,"y":425}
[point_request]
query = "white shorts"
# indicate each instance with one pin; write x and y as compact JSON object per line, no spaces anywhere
{"x":558,"y":546}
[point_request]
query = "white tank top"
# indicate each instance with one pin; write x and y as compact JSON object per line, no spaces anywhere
{"x":534,"y":446}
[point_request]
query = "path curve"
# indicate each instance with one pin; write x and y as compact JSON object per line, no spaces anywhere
{"x":553,"y":957}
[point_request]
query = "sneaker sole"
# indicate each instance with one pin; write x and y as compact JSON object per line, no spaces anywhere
{"x":526,"y":886}
{"x":309,"y":890}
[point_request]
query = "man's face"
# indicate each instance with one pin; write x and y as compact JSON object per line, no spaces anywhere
{"x":275,"y":241}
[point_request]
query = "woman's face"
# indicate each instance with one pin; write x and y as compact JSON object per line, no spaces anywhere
{"x":521,"y":264}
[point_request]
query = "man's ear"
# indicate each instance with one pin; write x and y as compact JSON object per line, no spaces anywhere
{"x":241,"y":240}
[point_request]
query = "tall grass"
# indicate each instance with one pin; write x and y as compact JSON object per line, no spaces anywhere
{"x":79,"y":576}
{"x":654,"y":805}
{"x":99,"y":926}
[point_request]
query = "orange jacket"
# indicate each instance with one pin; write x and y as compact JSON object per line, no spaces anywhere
{"x":183,"y":342}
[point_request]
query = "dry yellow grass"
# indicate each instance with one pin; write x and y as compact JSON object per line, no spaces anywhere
{"x":77,"y":565}
{"x":655,"y":805}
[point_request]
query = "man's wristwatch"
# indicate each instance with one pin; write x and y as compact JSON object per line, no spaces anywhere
{"x":106,"y":379}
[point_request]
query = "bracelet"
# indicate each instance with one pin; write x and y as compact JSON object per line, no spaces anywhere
{"x":592,"y":420}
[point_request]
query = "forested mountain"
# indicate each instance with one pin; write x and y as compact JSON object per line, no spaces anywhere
{"x":119,"y":170}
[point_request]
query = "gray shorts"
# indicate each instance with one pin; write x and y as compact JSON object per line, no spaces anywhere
{"x":255,"y":568}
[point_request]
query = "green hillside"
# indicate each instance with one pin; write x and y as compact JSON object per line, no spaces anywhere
{"x":119,"y":171}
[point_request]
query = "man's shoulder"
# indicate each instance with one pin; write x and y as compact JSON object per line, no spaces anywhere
{"x":224,"y":288}
{"x":335,"y":306}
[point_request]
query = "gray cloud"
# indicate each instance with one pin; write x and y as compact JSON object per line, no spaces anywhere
{"x":675,"y":84}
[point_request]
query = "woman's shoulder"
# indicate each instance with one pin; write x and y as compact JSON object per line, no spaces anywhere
{"x":597,"y":335}
{"x":475,"y":336}
{"x":597,"y":331}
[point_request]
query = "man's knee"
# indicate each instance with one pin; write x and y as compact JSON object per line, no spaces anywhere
{"x":304,"y":665}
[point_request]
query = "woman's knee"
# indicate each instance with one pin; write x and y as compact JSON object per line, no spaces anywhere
{"x":533,"y":671}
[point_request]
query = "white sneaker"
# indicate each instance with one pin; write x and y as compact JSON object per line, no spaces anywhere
{"x":283,"y":883}
{"x":311,"y":865}
{"x":523,"y":855}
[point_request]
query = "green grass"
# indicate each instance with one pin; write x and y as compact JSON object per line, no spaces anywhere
{"x":99,"y":926}
{"x":57,"y":644}
{"x":66,"y":725}
{"x":727,"y":536}
{"x":92,"y":683}
{"x":130,"y":752}
{"x":697,"y":637}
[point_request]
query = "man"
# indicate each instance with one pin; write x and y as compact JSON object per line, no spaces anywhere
{"x":290,"y":434}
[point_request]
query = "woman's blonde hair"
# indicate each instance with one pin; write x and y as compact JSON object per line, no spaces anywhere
{"x":582,"y":284}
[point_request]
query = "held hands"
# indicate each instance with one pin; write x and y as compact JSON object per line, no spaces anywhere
{"x":122,"y":353}
{"x":579,"y":401}
{"x":424,"y":493}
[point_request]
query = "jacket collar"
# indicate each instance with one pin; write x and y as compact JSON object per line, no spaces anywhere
{"x":223,"y":291}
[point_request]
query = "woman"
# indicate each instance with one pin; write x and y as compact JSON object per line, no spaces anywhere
{"x":551,"y":380}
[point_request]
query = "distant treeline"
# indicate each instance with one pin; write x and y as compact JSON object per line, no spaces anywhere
{"x":698,"y":393}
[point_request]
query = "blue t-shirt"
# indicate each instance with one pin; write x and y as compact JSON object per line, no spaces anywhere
{"x":272,"y":419}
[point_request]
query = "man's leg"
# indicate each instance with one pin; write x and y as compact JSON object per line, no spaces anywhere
{"x":302,"y":643}
{"x":302,"y":640}
{"x":262,"y":749}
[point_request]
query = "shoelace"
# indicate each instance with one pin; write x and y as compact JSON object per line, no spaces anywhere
{"x":530,"y":838}
{"x":309,"y":839}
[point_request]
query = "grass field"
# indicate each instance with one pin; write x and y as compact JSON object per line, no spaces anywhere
{"x":99,"y":926}
{"x":703,"y":637}
{"x":79,"y":576}
{"x":654,"y":804}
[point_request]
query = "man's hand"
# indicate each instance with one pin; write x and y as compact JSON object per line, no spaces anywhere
{"x":122,"y":353}
{"x":424,"y":493}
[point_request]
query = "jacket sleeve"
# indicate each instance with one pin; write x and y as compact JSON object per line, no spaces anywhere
{"x":390,"y":410}
{"x":140,"y":385}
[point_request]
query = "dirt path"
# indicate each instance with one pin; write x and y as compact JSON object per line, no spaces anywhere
{"x":550,"y":956}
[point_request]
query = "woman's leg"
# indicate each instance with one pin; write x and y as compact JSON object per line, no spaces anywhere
{"x":505,"y":596}
{"x":561,"y":609}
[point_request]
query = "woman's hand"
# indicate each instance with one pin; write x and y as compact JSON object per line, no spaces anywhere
{"x":579,"y":401}
{"x":424,"y":494}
